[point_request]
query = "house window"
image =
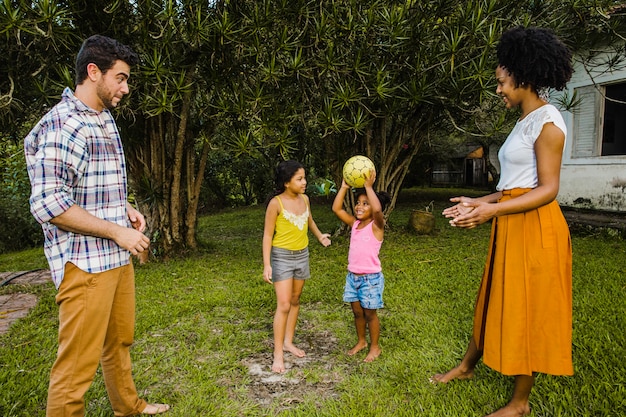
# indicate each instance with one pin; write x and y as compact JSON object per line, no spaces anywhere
{"x":600,"y":121}
{"x":614,"y":126}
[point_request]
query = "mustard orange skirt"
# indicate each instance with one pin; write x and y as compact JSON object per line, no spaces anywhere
{"x":523,"y":315}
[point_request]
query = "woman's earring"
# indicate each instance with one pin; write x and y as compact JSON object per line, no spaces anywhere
{"x":544,"y":93}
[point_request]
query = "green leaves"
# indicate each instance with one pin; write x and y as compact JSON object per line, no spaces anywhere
{"x":269,"y":79}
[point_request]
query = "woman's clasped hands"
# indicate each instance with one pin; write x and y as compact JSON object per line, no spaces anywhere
{"x":468,"y":213}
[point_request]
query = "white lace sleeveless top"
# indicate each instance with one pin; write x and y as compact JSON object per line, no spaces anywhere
{"x":518,"y":162}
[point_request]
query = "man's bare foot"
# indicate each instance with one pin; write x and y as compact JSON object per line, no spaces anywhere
{"x":374,"y":352}
{"x":452,"y":374}
{"x":278,"y":366}
{"x":153,"y":409}
{"x":357,"y":348}
{"x":294,"y":350}
{"x":511,"y":410}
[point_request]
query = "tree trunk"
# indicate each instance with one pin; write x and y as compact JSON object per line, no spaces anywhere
{"x":393,"y":156}
{"x":193,"y":193}
{"x":166,"y":181}
{"x":177,"y":172}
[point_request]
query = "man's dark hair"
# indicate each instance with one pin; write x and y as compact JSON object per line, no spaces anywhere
{"x":103,"y":52}
{"x":535,"y":56}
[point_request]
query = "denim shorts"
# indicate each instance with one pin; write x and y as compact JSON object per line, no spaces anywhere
{"x":365,"y":288}
{"x":289,"y":264}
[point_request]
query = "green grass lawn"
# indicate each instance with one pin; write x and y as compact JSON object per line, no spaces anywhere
{"x":204,"y":329}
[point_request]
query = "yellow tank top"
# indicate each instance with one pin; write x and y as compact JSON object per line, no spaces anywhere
{"x":291,"y":231}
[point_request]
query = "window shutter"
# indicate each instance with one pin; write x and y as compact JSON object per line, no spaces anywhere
{"x":586,"y":122}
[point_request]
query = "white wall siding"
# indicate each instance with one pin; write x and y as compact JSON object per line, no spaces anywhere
{"x":601,"y":187}
{"x":589,"y":180}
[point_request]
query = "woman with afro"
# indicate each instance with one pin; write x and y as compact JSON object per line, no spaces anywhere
{"x":523,"y":313}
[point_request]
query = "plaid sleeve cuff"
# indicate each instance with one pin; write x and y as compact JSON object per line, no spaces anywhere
{"x":50,"y":207}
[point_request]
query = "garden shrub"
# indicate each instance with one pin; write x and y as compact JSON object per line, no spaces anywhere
{"x":18,"y":228}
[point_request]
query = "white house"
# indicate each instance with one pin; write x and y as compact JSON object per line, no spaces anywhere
{"x":593,"y":174}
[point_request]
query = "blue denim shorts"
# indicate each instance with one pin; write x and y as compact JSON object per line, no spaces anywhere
{"x":366,"y":289}
{"x":289,"y":264}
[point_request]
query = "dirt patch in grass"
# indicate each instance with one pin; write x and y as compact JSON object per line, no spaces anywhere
{"x":314,"y":376}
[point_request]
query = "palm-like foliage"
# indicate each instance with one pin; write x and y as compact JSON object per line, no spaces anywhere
{"x":266,"y":80}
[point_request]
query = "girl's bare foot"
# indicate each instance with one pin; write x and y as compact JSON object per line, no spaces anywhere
{"x":452,"y":374}
{"x":278,"y":366}
{"x":511,"y":410}
{"x":357,"y":348}
{"x":294,"y":350}
{"x":374,"y":352}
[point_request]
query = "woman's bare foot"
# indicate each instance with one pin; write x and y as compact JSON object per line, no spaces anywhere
{"x":357,"y":348}
{"x":452,"y":374}
{"x":511,"y":410}
{"x":374,"y":352}
{"x":294,"y":350}
{"x":278,"y":366}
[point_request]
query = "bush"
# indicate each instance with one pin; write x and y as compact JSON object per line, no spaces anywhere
{"x":18,"y":228}
{"x":233,"y":181}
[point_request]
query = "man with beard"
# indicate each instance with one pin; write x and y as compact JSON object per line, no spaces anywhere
{"x":78,"y":180}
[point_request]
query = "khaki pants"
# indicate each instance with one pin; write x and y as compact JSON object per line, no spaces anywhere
{"x":96,"y":324}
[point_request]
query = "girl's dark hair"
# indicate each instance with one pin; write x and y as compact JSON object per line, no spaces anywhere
{"x":284,"y":172}
{"x":103,"y":52}
{"x":383,"y":196}
{"x":535,"y":56}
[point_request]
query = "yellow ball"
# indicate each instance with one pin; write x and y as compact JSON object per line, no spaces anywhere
{"x":355,"y":169}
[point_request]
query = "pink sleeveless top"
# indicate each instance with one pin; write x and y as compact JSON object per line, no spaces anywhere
{"x":364,"y":249}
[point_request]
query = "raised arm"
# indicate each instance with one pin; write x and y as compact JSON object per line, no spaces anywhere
{"x":338,"y":209}
{"x":377,"y":210}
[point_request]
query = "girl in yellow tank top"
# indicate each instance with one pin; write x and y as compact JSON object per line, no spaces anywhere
{"x":291,"y":229}
{"x":285,"y":253}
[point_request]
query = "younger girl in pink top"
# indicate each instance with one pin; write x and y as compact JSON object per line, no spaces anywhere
{"x":365,"y":281}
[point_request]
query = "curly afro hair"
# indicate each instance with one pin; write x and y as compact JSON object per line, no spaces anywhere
{"x":535,"y":56}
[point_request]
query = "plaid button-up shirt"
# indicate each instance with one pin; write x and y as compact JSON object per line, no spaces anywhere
{"x":74,"y":156}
